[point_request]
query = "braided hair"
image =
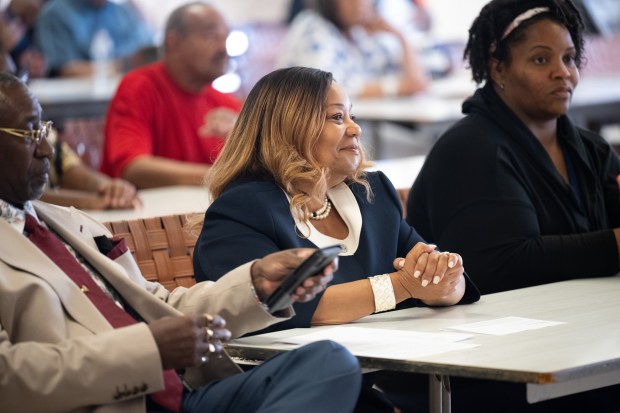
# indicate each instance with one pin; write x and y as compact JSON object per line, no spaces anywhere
{"x":485,"y":35}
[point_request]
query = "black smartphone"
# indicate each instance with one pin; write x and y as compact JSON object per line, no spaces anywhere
{"x":314,"y":264}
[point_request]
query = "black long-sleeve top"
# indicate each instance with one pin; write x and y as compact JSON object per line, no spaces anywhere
{"x":489,"y":191}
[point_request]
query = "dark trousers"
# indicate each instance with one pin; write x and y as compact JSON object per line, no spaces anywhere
{"x":319,"y":377}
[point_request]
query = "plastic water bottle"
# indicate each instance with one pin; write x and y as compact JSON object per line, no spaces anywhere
{"x":101,"y":52}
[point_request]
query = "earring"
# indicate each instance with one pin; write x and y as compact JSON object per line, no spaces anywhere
{"x":501,"y":86}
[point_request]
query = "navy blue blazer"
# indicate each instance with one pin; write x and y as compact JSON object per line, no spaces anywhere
{"x":252,"y":219}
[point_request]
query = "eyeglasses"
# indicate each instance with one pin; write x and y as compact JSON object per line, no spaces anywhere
{"x":31,"y":136}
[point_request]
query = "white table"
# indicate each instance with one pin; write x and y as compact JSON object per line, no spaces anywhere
{"x":596,"y":101}
{"x":441,"y":103}
{"x":582,"y":354}
{"x":157,"y":202}
{"x":401,"y":171}
{"x":63,"y":98}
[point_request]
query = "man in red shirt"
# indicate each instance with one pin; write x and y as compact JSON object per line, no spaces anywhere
{"x":166,"y":124}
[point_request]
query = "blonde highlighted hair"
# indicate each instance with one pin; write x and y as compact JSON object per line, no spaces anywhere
{"x":275,"y":135}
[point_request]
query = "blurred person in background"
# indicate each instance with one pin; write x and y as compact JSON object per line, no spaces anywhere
{"x":66,"y":30}
{"x":349,"y":38}
{"x":166,"y":124}
{"x":73,"y":183}
{"x":18,"y":22}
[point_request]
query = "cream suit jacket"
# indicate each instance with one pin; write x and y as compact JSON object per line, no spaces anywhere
{"x":59,"y":354}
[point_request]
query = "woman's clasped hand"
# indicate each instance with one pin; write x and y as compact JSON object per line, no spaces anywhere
{"x":428,"y":274}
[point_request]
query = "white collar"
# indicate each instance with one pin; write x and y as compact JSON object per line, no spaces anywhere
{"x":16,"y":217}
{"x":345,"y":203}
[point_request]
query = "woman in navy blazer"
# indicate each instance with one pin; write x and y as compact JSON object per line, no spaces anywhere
{"x":291,"y":174}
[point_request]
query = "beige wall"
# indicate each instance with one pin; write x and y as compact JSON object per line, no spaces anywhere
{"x":237,"y":12}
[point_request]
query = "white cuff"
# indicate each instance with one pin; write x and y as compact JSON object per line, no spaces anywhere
{"x":383,"y":291}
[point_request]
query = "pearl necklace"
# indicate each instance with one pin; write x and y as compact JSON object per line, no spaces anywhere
{"x":323,"y":212}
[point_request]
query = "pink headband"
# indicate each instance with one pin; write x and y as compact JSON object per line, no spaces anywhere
{"x":526,"y":15}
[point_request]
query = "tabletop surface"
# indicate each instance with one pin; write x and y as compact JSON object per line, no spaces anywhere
{"x":587,"y":343}
{"x":76,"y":90}
{"x":401,"y":171}
{"x":439,"y":105}
{"x":442,"y":102}
{"x":157,"y":202}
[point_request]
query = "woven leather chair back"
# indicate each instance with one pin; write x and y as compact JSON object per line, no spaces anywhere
{"x":162,"y":247}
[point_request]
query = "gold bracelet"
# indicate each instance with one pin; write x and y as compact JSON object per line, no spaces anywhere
{"x":383,"y":291}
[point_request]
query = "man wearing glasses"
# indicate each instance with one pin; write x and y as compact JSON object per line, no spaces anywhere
{"x":71,"y":181}
{"x":31,"y":137}
{"x":80,"y":329}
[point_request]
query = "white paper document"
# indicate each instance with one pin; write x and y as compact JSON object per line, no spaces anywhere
{"x":390,"y":344}
{"x":505,"y":325}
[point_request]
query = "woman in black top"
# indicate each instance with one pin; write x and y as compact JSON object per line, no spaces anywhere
{"x":537,"y":200}
{"x":532,"y":199}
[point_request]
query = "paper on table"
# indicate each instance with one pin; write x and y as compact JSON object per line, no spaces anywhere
{"x":390,"y":344}
{"x":505,"y":325}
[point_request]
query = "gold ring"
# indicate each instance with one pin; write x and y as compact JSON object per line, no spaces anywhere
{"x":208,"y":339}
{"x":208,"y":334}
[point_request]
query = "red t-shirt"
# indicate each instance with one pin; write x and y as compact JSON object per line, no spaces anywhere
{"x":151,"y":115}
